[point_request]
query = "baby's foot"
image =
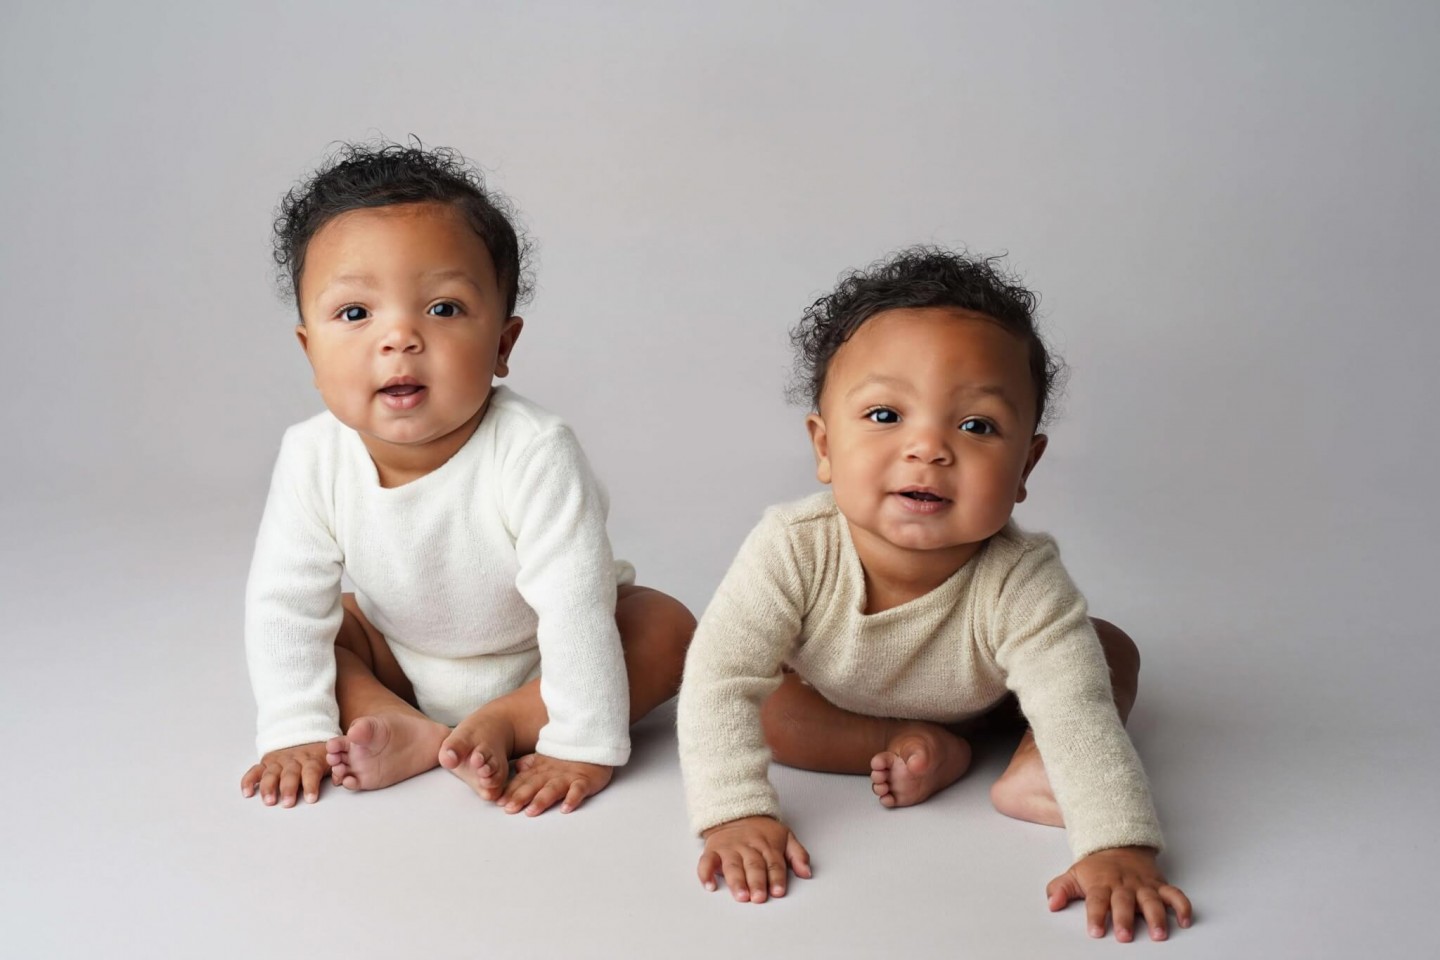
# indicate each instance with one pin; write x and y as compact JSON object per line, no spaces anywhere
{"x":1023,"y":790}
{"x":478,"y":752}
{"x":378,"y":751}
{"x":919,"y":761}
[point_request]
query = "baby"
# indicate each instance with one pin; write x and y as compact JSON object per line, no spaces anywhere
{"x":489,"y":619}
{"x":859,"y":626}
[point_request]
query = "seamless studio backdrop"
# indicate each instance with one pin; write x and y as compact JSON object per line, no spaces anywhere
{"x":1229,"y":209}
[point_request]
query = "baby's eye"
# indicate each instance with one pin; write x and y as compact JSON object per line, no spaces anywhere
{"x":444,"y":310}
{"x":981,"y":428}
{"x":354,"y":314}
{"x":882,"y":415}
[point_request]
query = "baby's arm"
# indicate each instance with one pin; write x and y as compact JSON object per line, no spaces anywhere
{"x":556,"y":510}
{"x":1045,"y":643}
{"x":292,"y":614}
{"x":733,"y":665}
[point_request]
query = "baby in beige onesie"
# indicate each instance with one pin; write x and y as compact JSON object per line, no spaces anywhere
{"x":858,"y":627}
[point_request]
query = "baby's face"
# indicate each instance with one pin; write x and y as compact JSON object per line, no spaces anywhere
{"x":926,"y":431}
{"x":405,"y":327}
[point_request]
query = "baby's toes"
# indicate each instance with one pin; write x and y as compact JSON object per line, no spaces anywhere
{"x":454,"y":749}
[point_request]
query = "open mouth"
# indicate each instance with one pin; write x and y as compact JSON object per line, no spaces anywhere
{"x":921,"y":500}
{"x":401,"y":393}
{"x":923,"y":496}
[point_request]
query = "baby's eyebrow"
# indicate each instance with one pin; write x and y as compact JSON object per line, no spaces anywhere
{"x":351,"y":279}
{"x":451,"y":273}
{"x":879,"y":379}
{"x":968,"y":390}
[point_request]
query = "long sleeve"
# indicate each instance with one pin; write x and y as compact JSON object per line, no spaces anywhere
{"x":734,"y":663}
{"x":1054,"y":663}
{"x":557,"y":510}
{"x":292,"y":610}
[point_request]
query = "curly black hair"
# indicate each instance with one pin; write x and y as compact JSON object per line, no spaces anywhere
{"x":918,"y":277}
{"x":359,"y":175}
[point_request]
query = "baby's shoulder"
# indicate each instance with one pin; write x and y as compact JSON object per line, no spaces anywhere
{"x":804,"y":536}
{"x":1015,"y":556}
{"x":316,"y":440}
{"x":520,"y":418}
{"x":808,"y":520}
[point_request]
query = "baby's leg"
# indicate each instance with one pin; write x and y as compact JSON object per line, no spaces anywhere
{"x":655,"y":632}
{"x":908,"y":760}
{"x":1023,"y":790}
{"x":387,"y":739}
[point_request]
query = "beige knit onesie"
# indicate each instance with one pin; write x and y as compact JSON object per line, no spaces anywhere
{"x":1008,"y":620}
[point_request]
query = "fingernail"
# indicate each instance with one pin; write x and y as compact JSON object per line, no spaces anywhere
{"x":311,"y":797}
{"x":710,"y":885}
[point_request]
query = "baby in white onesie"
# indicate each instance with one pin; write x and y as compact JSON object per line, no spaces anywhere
{"x":489,"y":621}
{"x":859,"y":629}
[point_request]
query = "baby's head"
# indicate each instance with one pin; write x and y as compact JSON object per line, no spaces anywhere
{"x":406,"y":273}
{"x":363,"y":176}
{"x":920,"y":277}
{"x":928,"y":384}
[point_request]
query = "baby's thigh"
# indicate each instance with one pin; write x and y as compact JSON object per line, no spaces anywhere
{"x":359,"y":636}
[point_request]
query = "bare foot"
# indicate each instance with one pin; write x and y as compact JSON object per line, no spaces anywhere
{"x":478,"y":752}
{"x":378,"y":751}
{"x":1023,"y":790}
{"x":918,"y":762}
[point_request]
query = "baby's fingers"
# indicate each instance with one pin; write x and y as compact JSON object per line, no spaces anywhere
{"x":1122,"y":906}
{"x":1178,"y":902}
{"x":734,"y":872}
{"x":756,"y":875}
{"x":289,"y":783}
{"x":777,"y":872}
{"x":311,"y":773}
{"x":575,"y":796}
{"x":545,"y":797}
{"x":268,"y":782}
{"x":251,"y":780}
{"x":798,"y":856}
{"x":1097,"y":905}
{"x":1154,"y":909}
{"x":709,"y":865}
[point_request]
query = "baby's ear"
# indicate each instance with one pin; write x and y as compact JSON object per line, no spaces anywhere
{"x":821,"y":443}
{"x":509,"y":333}
{"x":1037,"y":450}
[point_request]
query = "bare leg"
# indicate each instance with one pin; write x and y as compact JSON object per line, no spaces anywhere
{"x":387,"y":739}
{"x":655,"y":632}
{"x":1023,"y":790}
{"x":908,"y":760}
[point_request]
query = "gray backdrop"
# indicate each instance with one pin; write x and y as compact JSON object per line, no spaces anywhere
{"x":1230,"y":210}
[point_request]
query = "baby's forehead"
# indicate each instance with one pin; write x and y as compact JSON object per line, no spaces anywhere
{"x":945,"y":350}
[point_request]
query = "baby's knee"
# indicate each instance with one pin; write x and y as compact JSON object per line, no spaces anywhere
{"x":780,"y":718}
{"x":663,"y":624}
{"x":1121,"y":653}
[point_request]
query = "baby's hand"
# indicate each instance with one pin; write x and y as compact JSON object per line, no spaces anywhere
{"x":288,"y":769}
{"x":540,"y":781}
{"x":750,"y":852}
{"x":1117,"y":881}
